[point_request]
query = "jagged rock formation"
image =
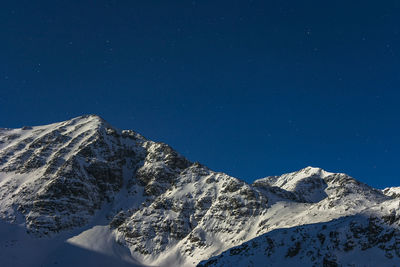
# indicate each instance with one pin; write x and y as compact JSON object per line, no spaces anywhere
{"x":100,"y":187}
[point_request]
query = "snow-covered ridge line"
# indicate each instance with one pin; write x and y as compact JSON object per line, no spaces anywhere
{"x":116,"y":193}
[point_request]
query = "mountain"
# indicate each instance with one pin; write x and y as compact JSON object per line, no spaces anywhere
{"x":81,"y":192}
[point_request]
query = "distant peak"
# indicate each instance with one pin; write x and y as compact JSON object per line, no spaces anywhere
{"x":289,"y":180}
{"x":312,"y":170}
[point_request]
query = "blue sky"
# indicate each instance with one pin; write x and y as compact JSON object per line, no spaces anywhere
{"x":250,"y":88}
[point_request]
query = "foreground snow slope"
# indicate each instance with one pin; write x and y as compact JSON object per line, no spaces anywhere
{"x":21,"y":249}
{"x":113,"y":193}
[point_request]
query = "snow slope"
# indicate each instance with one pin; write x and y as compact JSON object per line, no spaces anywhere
{"x":370,"y":238}
{"x":21,"y":249}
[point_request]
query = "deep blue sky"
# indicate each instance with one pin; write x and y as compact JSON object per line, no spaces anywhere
{"x":250,"y":88}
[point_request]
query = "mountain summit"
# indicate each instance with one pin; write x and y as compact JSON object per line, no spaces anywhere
{"x":111,"y":197}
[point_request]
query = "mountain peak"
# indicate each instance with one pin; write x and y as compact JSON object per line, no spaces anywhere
{"x":89,"y":119}
{"x":93,"y":116}
{"x":312,"y":169}
{"x":288,"y":181}
{"x":309,"y":170}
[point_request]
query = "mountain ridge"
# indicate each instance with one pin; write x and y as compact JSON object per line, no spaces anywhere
{"x":119,"y":194}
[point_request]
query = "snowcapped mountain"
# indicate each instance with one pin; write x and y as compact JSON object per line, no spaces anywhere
{"x":82,"y":187}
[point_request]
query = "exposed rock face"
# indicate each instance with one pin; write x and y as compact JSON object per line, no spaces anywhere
{"x":83,"y":173}
{"x":193,"y":214}
{"x":61,"y":174}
